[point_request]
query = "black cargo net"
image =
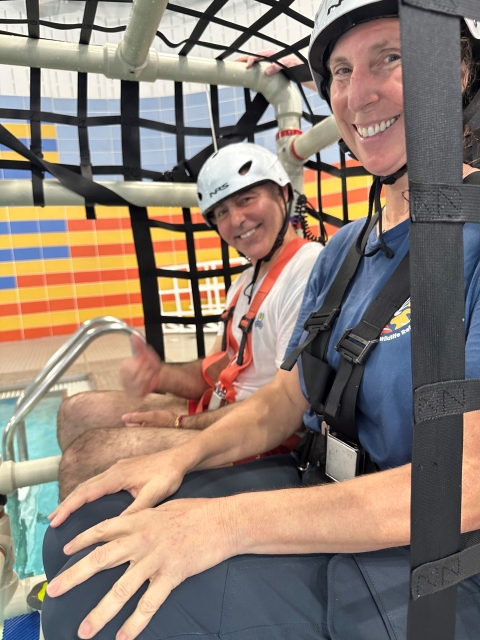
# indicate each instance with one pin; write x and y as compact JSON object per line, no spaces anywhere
{"x":102,"y":21}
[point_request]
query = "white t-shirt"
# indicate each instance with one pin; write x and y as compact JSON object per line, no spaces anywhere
{"x":275,"y":319}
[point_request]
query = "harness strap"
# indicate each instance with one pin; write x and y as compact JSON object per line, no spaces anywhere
{"x":242,"y":357}
{"x":355,"y":347}
{"x":319,"y":324}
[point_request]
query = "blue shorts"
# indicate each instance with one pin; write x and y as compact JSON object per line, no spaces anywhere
{"x":298,"y":597}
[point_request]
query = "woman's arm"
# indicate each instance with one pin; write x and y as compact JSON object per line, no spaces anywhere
{"x":258,"y":424}
{"x":368,"y":513}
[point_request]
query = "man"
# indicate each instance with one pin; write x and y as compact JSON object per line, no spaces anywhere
{"x":244,"y":193}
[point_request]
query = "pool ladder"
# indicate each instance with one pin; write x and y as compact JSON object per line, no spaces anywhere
{"x":48,"y":376}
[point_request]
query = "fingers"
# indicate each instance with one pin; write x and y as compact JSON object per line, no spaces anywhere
{"x":104,"y":531}
{"x":138,"y":345}
{"x":101,"y":485}
{"x":138,"y":418}
{"x":131,"y":581}
{"x":156,"y":594}
{"x":102,"y":557}
{"x":147,"y":497}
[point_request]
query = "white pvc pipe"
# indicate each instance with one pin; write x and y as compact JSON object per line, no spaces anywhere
{"x":319,"y":137}
{"x":18,"y":193}
{"x":14,"y":475}
{"x":50,"y":54}
{"x":140,"y":33}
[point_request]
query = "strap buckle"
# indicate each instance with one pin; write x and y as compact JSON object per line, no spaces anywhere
{"x":321,"y":321}
{"x":245,"y":325}
{"x":354,"y":348}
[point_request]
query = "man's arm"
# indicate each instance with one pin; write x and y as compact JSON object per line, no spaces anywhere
{"x":168,"y":419}
{"x":144,"y":373}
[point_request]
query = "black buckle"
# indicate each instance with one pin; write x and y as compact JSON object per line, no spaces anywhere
{"x":225,"y":318}
{"x":321,"y":321}
{"x":354,"y":348}
{"x":245,"y":324}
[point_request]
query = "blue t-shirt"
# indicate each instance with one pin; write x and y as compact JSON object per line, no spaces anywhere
{"x":384,"y":405}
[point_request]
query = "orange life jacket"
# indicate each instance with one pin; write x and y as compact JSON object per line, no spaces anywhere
{"x":219,"y":369}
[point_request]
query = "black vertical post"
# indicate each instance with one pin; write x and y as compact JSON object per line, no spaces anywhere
{"x":142,"y":237}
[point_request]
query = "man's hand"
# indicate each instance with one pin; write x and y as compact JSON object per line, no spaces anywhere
{"x":164,"y":546}
{"x":150,"y":479}
{"x":140,"y":374}
{"x":158,"y":418}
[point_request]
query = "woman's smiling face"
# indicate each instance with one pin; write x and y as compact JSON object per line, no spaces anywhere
{"x":366,"y":94}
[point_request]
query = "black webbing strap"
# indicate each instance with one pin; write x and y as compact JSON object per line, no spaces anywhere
{"x":451,"y":398}
{"x":33,"y":17}
{"x":91,"y":191}
{"x":36,"y":136}
{"x":320,"y":323}
{"x":433,"y":104}
{"x":356,"y":346}
{"x":82,"y":111}
{"x":454,"y":203}
{"x":147,"y":268}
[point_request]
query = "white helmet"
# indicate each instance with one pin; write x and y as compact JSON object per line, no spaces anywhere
{"x":233,"y":168}
{"x":334,"y":18}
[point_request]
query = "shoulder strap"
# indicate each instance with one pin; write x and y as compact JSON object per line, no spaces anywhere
{"x":319,"y":324}
{"x":244,"y":352}
{"x":355,"y":347}
{"x":248,"y":319}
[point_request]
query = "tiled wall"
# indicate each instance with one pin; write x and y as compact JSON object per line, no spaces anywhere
{"x":58,"y":269}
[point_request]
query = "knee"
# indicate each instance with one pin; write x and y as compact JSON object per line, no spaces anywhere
{"x":72,"y":412}
{"x":79,"y":462}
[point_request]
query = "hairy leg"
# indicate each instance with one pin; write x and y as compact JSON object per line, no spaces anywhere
{"x":95,"y":451}
{"x":100,"y":409}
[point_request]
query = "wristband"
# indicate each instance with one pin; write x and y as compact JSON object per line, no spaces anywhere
{"x":178,"y":422}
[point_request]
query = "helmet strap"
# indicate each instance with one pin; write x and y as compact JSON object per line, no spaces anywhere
{"x":375,"y":203}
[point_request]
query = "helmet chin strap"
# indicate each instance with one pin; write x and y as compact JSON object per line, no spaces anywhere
{"x":374,"y":203}
{"x":248,"y":291}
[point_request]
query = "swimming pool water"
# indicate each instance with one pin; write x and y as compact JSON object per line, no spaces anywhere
{"x":29,"y":509}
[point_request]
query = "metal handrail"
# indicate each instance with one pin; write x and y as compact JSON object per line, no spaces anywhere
{"x":53,"y":370}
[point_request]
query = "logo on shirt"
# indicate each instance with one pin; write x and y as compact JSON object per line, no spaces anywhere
{"x":259,"y":321}
{"x":399,"y":325}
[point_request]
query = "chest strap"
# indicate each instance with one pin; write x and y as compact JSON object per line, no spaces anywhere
{"x":319,"y":323}
{"x":355,"y":347}
{"x":333,"y":393}
{"x":224,"y":368}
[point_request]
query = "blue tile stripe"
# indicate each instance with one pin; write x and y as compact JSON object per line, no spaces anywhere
{"x":18,"y":227}
{"x":8,"y":282}
{"x":34,"y":253}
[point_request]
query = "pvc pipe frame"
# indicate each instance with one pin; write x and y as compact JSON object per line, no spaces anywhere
{"x":110,"y":61}
{"x":14,"y":475}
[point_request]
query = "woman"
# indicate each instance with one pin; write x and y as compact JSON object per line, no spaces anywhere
{"x":325,"y":561}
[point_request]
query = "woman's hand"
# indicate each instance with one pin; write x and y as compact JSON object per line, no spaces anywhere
{"x":158,"y":418}
{"x":273,"y":68}
{"x":165,"y":546}
{"x":140,"y":374}
{"x":150,"y":479}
